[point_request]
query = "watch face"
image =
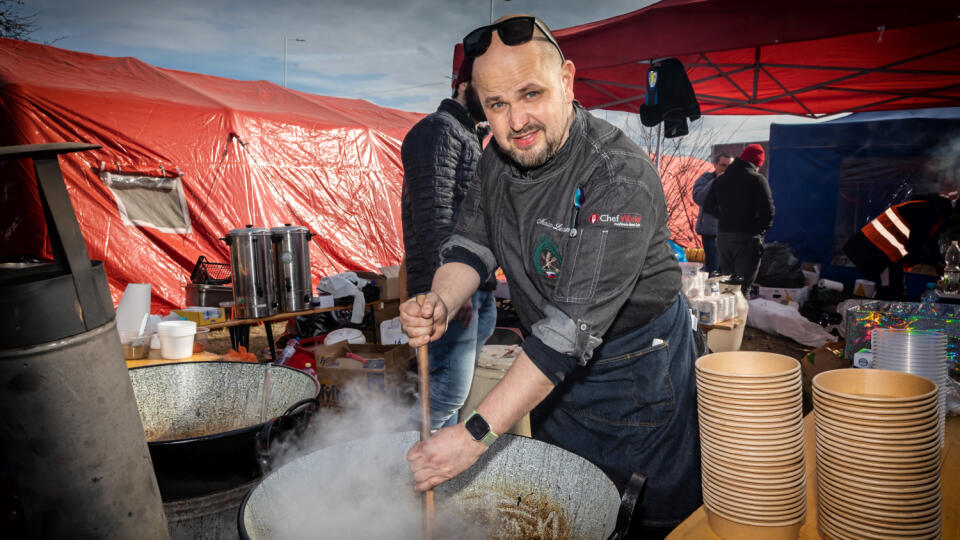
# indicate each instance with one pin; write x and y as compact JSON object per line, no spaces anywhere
{"x":477,"y":426}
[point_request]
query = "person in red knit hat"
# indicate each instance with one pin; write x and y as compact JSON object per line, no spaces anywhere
{"x":741,"y":200}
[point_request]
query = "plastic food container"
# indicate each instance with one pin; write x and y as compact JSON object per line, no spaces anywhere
{"x":135,"y":346}
{"x":176,"y":339}
{"x":200,"y":340}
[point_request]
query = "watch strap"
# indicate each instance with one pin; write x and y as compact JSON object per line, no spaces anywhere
{"x":490,"y":436}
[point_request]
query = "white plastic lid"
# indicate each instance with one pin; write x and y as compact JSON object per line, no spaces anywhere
{"x":350,"y":335}
{"x":176,"y":328}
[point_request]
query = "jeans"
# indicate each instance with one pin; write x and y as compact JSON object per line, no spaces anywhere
{"x":453,"y":358}
{"x":711,"y":257}
{"x":634,"y":408}
{"x":740,"y":255}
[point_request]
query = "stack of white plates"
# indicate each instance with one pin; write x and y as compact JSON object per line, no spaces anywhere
{"x":751,"y":438}
{"x":878,"y":455}
{"x":917,"y":352}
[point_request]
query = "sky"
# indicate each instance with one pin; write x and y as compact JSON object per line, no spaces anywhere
{"x":393,"y":53}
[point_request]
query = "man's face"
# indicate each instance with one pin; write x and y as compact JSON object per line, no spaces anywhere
{"x":526,"y":94}
{"x":722,"y":164}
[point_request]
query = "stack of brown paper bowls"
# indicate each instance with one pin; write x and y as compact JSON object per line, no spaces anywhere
{"x":878,"y":455}
{"x":751,"y":438}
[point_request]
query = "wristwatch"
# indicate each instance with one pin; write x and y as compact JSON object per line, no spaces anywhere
{"x":479,"y":429}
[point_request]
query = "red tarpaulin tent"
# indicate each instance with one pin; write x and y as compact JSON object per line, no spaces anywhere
{"x":187,"y":157}
{"x":746,"y":57}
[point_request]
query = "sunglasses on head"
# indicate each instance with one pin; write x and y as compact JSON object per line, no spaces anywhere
{"x":515,"y":31}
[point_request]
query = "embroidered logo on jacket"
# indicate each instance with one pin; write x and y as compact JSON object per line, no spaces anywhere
{"x":619,"y":220}
{"x":547,"y":257}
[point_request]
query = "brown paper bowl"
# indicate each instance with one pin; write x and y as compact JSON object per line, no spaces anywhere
{"x":872,"y":406}
{"x":733,"y":447}
{"x":754,"y":389}
{"x":727,"y":528}
{"x":881,"y":473}
{"x":894,"y":503}
{"x":841,"y":485}
{"x":852,"y":464}
{"x":773,"y":496}
{"x":892,"y":434}
{"x":759,"y":473}
{"x":751,"y":400}
{"x":752,"y":514}
{"x":824,"y":467}
{"x":782,"y":431}
{"x":891,"y":413}
{"x":882,"y":461}
{"x":758,"y":507}
{"x":922,"y":515}
{"x":733,"y":454}
{"x":858,"y":529}
{"x":846,"y":531}
{"x":756,"y":422}
{"x":875,"y":385}
{"x":868,"y":420}
{"x":760,"y":482}
{"x":747,"y":364}
{"x":752,"y":441}
{"x":744,"y":410}
{"x":880,"y":450}
{"x":918,"y":438}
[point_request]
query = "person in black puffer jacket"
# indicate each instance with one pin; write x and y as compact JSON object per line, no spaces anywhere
{"x":440,"y":155}
{"x":741,"y":200}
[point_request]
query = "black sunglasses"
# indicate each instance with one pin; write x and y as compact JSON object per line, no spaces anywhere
{"x":515,"y":31}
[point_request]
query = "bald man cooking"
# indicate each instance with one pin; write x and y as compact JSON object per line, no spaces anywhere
{"x":574,"y":213}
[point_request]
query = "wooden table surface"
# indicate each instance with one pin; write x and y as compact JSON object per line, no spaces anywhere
{"x":696,"y":527}
{"x":155,"y":359}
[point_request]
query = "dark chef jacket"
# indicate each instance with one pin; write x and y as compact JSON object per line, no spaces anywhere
{"x":572,"y":291}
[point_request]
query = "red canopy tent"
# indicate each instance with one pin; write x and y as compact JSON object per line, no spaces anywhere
{"x":215,"y":154}
{"x":810,"y":58}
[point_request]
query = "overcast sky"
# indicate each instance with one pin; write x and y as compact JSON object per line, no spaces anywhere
{"x":394,"y":53}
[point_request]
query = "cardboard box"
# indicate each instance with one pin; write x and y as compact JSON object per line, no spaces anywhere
{"x":338,"y":374}
{"x":784,"y":295}
{"x":825,"y":358}
{"x":202,"y":315}
{"x":387,"y":280}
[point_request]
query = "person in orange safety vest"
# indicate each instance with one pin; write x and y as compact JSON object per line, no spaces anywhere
{"x":905,"y":234}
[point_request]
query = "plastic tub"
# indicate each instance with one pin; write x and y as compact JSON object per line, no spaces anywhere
{"x":135,"y":346}
{"x":176,"y":339}
{"x":200,"y":340}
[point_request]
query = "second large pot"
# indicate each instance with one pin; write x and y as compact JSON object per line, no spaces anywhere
{"x":208,"y":425}
{"x":520,"y":488}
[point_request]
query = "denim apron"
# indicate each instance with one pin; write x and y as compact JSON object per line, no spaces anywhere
{"x":634,"y":408}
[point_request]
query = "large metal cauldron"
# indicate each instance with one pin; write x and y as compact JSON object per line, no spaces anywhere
{"x":207,"y":424}
{"x":251,"y":262}
{"x":520,"y":488}
{"x":291,"y":258}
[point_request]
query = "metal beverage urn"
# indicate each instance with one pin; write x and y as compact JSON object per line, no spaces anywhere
{"x":291,"y":255}
{"x":251,"y":261}
{"x":68,"y":418}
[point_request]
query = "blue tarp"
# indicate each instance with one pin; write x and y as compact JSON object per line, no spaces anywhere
{"x":830,"y":179}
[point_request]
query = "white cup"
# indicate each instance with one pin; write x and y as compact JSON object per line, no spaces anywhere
{"x":176,"y":339}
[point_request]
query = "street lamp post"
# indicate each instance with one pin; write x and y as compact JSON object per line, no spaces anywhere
{"x":285,"y":40}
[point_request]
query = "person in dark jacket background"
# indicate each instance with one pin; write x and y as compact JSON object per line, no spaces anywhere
{"x":707,"y":222}
{"x":741,"y":200}
{"x":440,"y":155}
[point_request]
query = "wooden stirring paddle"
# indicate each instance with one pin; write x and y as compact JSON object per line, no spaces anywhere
{"x":423,"y":372}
